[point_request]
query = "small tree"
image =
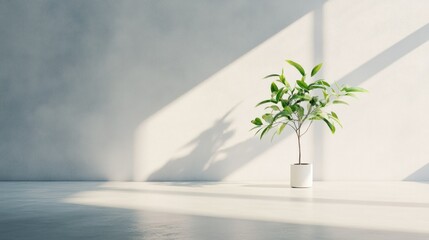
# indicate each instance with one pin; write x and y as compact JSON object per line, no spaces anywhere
{"x":300,"y":105}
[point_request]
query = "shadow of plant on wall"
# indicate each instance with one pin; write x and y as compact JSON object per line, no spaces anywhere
{"x":206,"y":144}
{"x":208,"y":160}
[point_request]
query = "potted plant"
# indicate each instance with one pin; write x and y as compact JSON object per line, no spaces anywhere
{"x":298,"y":107}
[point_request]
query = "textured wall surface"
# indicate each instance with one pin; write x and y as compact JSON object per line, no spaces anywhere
{"x":164,"y":90}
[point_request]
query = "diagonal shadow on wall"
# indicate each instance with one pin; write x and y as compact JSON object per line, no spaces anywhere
{"x":387,"y":57}
{"x":422,"y":174}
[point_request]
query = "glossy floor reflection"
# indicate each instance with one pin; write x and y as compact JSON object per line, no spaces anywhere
{"x":121,"y":210}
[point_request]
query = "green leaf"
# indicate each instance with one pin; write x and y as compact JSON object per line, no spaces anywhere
{"x":288,"y":110}
{"x":314,"y":86}
{"x":274,"y":107}
{"x":302,"y":84}
{"x":265,"y":101}
{"x":330,"y":125}
{"x":271,"y":75}
{"x":274,"y":87}
{"x":314,"y":101}
{"x":285,"y":113}
{"x":354,"y":89}
{"x":264,"y":131}
{"x":316,"y":69}
{"x":297,"y":66}
{"x":335,"y":117}
{"x":285,"y":103}
{"x":280,"y":94}
{"x":350,"y":95}
{"x":268,"y":117}
{"x":326,"y":96}
{"x":282,"y":78}
{"x":279,"y":114}
{"x":280,"y":129}
{"x":257,"y":121}
{"x":300,"y":111}
{"x":301,"y":97}
{"x":284,"y":81}
{"x":340,"y":102}
{"x":321,"y":81}
{"x":315,"y":118}
{"x":307,"y":97}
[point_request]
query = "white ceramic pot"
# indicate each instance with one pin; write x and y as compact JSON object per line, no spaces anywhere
{"x":301,"y":176}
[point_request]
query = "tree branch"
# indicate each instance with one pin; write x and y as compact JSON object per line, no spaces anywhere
{"x":307,"y":128}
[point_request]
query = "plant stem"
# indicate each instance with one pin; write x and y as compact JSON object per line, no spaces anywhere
{"x":299,"y":146}
{"x":298,"y":132}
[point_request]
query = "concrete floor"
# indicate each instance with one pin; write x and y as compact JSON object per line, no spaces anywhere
{"x":128,"y":210}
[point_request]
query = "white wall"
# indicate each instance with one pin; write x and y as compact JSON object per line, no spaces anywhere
{"x":162,"y":90}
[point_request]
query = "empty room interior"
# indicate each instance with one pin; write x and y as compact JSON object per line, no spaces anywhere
{"x":199,"y":119}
